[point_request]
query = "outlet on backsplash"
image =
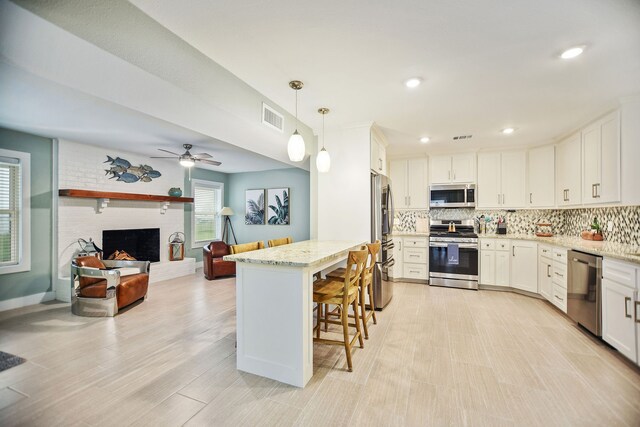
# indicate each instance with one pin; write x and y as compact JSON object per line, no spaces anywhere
{"x":622,"y":223}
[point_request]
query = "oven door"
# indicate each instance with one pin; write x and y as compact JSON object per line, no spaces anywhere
{"x":466,"y":268}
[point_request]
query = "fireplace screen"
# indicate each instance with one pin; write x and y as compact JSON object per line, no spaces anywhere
{"x":143,"y":243}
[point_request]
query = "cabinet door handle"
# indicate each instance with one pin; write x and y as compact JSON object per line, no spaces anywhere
{"x":400,"y":245}
{"x":379,"y":164}
{"x":637,"y":304}
{"x":626,"y":313}
{"x":503,"y":199}
{"x":454,"y":175}
{"x":597,"y":190}
{"x":557,"y":297}
{"x":548,"y":270}
{"x":558,"y":274}
{"x":513,"y":250}
{"x":449,"y":178}
{"x":531,"y":198}
{"x":409,"y":200}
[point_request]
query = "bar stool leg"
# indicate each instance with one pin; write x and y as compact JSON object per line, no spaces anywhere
{"x":319,"y":320}
{"x":357,"y":322}
{"x":372,"y":304}
{"x":347,"y":341}
{"x":363,"y":312}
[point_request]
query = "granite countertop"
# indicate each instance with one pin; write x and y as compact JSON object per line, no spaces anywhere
{"x":299,"y":254}
{"x":608,"y":249}
{"x":410,"y":233}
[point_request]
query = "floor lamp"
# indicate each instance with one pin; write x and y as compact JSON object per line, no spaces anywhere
{"x":227,"y":212}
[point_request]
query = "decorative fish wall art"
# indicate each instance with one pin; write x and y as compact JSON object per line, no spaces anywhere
{"x":122,"y":169}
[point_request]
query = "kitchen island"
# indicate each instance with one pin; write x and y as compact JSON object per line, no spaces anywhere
{"x":274,"y":306}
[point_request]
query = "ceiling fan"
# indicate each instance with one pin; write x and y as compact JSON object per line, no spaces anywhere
{"x":187,"y":159}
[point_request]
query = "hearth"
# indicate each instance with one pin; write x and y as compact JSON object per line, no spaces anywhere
{"x":142,"y":243}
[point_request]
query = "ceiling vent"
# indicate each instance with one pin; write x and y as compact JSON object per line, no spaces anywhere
{"x":461,"y":137}
{"x":272,"y":118}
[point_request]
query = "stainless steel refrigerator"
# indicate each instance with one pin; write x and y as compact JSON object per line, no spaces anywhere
{"x":381,"y":228}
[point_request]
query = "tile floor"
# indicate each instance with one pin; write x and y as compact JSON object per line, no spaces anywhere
{"x":437,"y":357}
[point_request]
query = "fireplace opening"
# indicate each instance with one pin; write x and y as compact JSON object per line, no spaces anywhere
{"x":142,"y":243}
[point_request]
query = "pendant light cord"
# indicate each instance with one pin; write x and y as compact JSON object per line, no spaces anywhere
{"x":323,"y":130}
{"x":297,"y":109}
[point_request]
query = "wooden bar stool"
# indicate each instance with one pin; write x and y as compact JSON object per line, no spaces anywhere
{"x":343,"y":293}
{"x":280,"y":242}
{"x":366,"y":284}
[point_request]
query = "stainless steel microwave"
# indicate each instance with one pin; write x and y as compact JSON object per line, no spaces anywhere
{"x":452,"y":196}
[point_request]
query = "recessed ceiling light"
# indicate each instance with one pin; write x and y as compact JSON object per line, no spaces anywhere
{"x":424,"y":139}
{"x":572,"y":53}
{"x":507,"y":131}
{"x":413,"y":82}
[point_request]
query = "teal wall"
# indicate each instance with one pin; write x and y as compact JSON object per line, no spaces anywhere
{"x":203,"y":174}
{"x":15,"y":285}
{"x":299,"y":208}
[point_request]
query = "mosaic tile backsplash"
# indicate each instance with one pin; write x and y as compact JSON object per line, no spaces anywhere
{"x":570,"y":222}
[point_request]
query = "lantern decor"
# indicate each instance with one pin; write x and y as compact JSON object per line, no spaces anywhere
{"x":89,"y":248}
{"x":176,"y":246}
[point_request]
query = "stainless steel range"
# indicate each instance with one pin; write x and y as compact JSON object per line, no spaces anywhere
{"x":453,"y":254}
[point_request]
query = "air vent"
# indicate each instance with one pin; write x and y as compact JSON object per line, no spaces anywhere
{"x":460,"y":137}
{"x":272,"y":118}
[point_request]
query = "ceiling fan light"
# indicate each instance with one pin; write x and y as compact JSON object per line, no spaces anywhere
{"x":187,"y":162}
{"x":323,"y":161}
{"x":296,"y":148}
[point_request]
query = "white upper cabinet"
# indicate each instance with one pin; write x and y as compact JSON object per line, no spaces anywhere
{"x":488,"y":193}
{"x":541,"y":172}
{"x":463,"y":168}
{"x":378,"y":153}
{"x":459,"y":168}
{"x":514,"y":179}
{"x":417,"y":188}
{"x":502,"y":180}
{"x":568,"y":171}
{"x":601,"y":160}
{"x":409,"y":182}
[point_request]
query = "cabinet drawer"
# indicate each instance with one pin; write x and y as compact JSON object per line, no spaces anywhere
{"x":619,"y":272}
{"x":487,"y":244}
{"x":503,"y":245}
{"x":415,"y":242}
{"x":559,"y":298}
{"x":416,"y":255}
{"x":560,"y":255}
{"x":545,"y":252}
{"x":559,"y":274}
{"x":416,"y":271}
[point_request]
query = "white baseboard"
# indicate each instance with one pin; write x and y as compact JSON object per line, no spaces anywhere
{"x":10,"y":304}
{"x":199,"y":264}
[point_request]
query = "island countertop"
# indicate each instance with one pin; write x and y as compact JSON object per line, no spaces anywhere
{"x":300,"y":254}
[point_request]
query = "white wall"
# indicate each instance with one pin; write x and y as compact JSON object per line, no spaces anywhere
{"x":81,"y":167}
{"x":343,"y":197}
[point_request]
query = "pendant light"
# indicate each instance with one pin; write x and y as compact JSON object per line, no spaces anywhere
{"x":323,"y":161}
{"x":295,"y":148}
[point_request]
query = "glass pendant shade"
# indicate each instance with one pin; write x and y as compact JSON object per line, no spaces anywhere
{"x":295,"y":148}
{"x":323,"y":161}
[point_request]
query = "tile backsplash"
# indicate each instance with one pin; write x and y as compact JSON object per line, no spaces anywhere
{"x":626,"y":220}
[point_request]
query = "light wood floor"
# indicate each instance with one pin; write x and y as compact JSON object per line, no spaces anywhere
{"x":437,"y":357}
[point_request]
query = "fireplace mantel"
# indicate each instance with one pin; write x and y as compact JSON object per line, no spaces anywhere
{"x":103,"y":197}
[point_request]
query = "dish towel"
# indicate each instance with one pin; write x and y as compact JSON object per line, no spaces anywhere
{"x":453,"y":254}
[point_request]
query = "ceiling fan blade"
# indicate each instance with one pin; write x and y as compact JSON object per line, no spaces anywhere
{"x":164,"y":157}
{"x":209,"y":162}
{"x":202,"y":156}
{"x":170,"y":152}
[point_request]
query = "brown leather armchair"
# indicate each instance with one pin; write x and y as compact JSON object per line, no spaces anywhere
{"x":213,"y":264}
{"x":102,"y":290}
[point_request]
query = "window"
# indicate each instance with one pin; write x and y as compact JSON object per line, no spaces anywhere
{"x":206,"y":222}
{"x":15,"y":220}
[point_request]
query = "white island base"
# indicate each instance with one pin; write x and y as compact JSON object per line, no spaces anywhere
{"x":274,"y":307}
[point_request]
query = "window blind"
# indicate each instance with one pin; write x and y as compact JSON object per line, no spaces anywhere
{"x":207,"y":203}
{"x":10,"y":198}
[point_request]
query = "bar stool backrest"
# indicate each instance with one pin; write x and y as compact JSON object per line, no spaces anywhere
{"x":280,"y":242}
{"x":355,"y":265}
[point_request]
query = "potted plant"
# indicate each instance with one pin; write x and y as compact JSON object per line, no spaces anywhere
{"x":595,"y":231}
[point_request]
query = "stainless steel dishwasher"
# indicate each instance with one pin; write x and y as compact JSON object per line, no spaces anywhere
{"x":584,"y":290}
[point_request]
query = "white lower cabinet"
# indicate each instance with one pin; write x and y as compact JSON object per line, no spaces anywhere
{"x":545,"y":276}
{"x":411,"y":255}
{"x":620,"y":308}
{"x":559,"y":278}
{"x":494,"y":262}
{"x":524,"y":265}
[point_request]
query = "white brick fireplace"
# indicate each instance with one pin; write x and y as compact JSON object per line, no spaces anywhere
{"x":82,"y":167}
